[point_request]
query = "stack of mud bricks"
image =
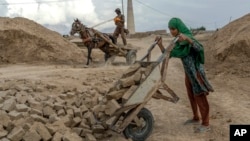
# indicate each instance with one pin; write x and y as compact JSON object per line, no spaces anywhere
{"x":25,"y":116}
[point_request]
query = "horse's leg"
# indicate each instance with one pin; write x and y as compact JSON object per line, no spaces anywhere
{"x":89,"y":53}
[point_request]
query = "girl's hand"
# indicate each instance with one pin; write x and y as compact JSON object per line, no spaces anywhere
{"x":183,"y":37}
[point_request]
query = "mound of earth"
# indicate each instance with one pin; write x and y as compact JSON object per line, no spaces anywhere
{"x":23,"y":40}
{"x":228,"y":50}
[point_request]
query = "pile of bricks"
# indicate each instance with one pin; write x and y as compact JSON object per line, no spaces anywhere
{"x":74,"y":115}
{"x":25,"y":115}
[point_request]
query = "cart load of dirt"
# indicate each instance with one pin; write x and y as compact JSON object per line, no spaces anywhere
{"x":23,"y":40}
{"x":228,"y":50}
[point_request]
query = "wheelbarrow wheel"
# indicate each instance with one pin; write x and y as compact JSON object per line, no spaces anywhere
{"x":131,"y":57}
{"x":140,"y":133}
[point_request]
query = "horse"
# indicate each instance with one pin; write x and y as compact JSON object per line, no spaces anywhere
{"x":91,"y":40}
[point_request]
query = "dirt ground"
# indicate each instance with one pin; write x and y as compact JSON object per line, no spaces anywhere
{"x":229,"y":104}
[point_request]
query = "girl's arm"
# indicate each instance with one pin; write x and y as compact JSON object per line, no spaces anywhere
{"x":197,"y":47}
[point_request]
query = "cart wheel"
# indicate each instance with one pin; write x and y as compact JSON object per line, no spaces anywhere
{"x":131,"y":57}
{"x":140,"y":133}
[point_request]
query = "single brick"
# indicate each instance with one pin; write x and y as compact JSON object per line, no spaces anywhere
{"x":32,"y":136}
{"x":71,"y":137}
{"x":90,"y":137}
{"x":43,"y":132}
{"x":57,"y":137}
{"x":111,"y":107}
{"x":9,"y":105}
{"x":14,"y":115}
{"x":16,"y":134}
{"x":47,"y":111}
{"x":22,"y":108}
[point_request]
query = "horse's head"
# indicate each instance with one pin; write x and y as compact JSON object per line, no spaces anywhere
{"x":77,"y":26}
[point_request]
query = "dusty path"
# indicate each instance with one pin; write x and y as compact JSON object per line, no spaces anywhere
{"x":230,"y":103}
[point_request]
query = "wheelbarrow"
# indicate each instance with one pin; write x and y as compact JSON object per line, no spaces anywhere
{"x":141,"y":82}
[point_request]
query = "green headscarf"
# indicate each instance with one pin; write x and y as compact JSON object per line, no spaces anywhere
{"x":182,"y":48}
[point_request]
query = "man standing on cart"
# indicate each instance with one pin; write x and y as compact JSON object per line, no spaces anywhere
{"x":119,"y":22}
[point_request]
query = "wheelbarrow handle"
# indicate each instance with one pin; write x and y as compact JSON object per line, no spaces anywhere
{"x":167,"y":50}
{"x":151,"y":48}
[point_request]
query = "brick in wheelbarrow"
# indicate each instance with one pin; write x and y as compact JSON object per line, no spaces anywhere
{"x":138,"y":75}
{"x":131,"y":70}
{"x":126,"y":82}
{"x":148,"y":69}
{"x":116,"y":94}
{"x":128,"y":93}
{"x":111,"y":107}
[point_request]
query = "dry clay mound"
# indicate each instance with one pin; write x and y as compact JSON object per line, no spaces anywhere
{"x":228,"y":50}
{"x":23,"y":40}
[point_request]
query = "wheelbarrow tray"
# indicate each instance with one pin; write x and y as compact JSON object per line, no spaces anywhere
{"x":147,"y":88}
{"x":140,"y":96}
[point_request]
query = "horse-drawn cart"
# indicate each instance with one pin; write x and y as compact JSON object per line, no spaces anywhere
{"x":126,"y":99}
{"x":121,"y":51}
{"x":92,"y":38}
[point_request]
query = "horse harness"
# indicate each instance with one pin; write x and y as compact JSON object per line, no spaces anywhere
{"x":88,"y":33}
{"x":95,"y":39}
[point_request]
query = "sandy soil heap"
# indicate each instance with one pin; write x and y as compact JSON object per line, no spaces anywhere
{"x":228,"y":50}
{"x":23,"y":40}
